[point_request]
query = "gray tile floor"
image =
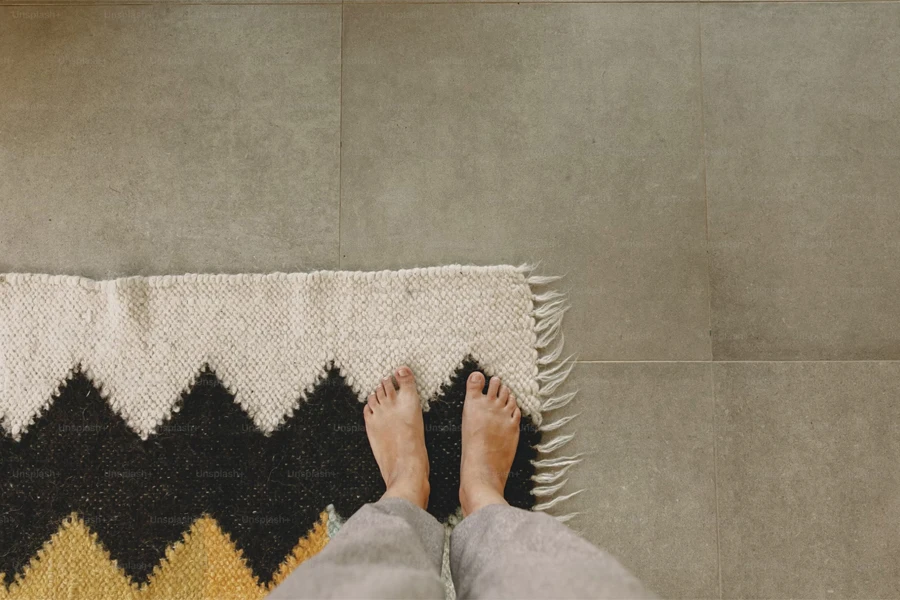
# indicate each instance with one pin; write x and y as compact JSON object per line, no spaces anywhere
{"x":719,"y":181}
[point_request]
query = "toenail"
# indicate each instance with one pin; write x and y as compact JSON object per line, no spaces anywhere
{"x":474,"y":377}
{"x":403,"y":371}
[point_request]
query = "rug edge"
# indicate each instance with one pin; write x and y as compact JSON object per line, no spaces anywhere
{"x":548,"y":309}
{"x":19,"y":278}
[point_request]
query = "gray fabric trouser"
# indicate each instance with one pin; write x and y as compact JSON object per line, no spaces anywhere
{"x":393,"y":549}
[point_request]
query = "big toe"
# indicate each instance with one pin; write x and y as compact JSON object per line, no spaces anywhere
{"x":405,"y":378}
{"x":474,"y":384}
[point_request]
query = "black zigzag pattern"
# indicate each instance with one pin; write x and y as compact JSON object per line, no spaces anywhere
{"x":266,"y":492}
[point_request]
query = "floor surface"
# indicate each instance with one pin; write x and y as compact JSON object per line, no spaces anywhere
{"x":719,"y":182}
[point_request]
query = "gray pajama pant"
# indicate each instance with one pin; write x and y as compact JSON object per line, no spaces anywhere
{"x":393,"y":549}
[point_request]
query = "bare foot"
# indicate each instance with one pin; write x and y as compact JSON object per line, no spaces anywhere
{"x":397,"y":436}
{"x":490,"y":434}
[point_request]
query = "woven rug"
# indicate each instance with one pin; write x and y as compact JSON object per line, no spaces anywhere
{"x":199,"y":436}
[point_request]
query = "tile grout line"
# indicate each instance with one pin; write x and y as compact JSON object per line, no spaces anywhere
{"x":711,"y":375}
{"x":93,"y":3}
{"x":552,"y":2}
{"x":715,"y":445}
{"x":728,"y":362}
{"x":705,"y":187}
{"x":341,"y":136}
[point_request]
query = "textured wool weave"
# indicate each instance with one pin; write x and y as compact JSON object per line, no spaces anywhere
{"x":182,"y":437}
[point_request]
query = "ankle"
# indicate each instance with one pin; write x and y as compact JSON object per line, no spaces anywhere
{"x":416,"y":492}
{"x":475,"y":497}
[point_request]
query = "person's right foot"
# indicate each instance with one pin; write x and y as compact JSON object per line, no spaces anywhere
{"x":490,"y":434}
{"x":397,"y":436}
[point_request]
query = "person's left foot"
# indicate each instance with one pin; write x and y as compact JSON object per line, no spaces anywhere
{"x":396,"y":433}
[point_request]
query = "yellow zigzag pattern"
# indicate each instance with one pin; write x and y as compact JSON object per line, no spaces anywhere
{"x":205,"y":565}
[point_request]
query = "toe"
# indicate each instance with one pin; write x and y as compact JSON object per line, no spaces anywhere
{"x":388,"y":384}
{"x":493,"y":388}
{"x":474,"y":384}
{"x":405,"y":378}
{"x":517,"y":416}
{"x":380,"y":392}
{"x":372,"y":401}
{"x":504,"y":395}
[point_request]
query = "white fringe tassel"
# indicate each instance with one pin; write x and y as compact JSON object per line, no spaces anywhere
{"x":549,"y":490}
{"x":557,"y":402}
{"x":558,"y":423}
{"x":567,"y":517}
{"x":553,"y":463}
{"x":555,"y":444}
{"x":549,"y":307}
{"x":551,"y":503}
{"x":551,"y":477}
{"x":551,"y":357}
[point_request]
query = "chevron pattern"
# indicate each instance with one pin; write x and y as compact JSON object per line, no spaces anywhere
{"x":203,"y":565}
{"x":209,"y":458}
{"x":180,"y":437}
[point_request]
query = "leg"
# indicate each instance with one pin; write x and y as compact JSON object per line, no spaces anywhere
{"x":392,"y":548}
{"x":503,"y":552}
{"x":506,"y":552}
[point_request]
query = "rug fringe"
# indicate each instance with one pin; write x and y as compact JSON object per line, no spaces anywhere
{"x":558,"y":423}
{"x":552,"y":356}
{"x":548,"y":309}
{"x":567,"y":517}
{"x":548,"y":490}
{"x":547,"y":328}
{"x":551,"y":477}
{"x":562,"y":461}
{"x":551,"y":503}
{"x":555,"y":443}
{"x":558,"y":401}
{"x":554,"y":377}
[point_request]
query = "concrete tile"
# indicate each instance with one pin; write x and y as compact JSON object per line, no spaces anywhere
{"x":646,"y":430}
{"x":735,"y":1}
{"x":567,"y":134}
{"x":165,"y":139}
{"x":809,"y":490}
{"x":492,"y":1}
{"x":802,"y":121}
{"x":112,"y":3}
